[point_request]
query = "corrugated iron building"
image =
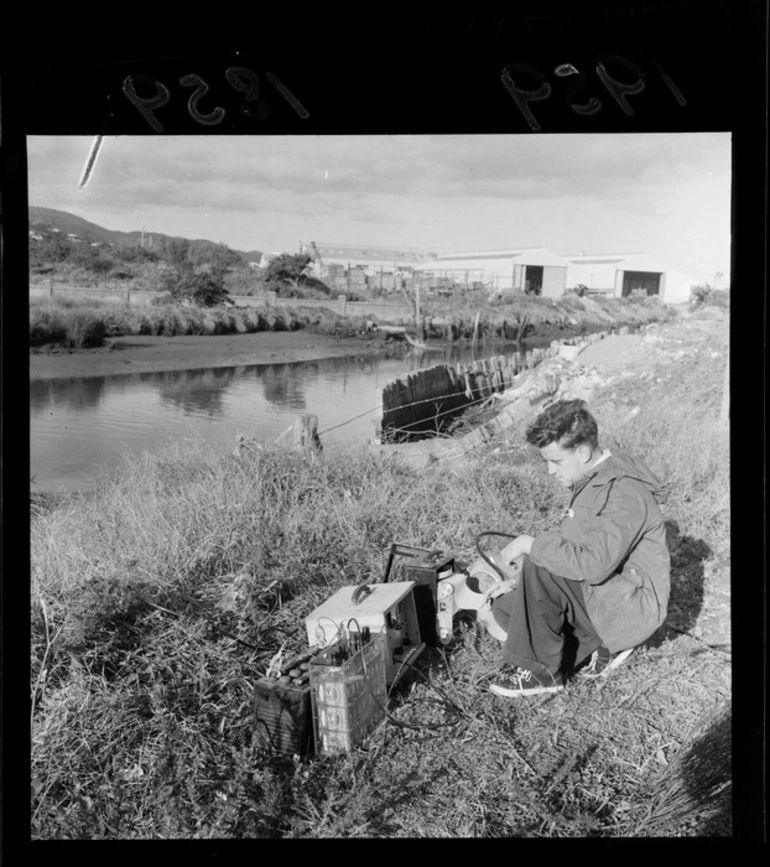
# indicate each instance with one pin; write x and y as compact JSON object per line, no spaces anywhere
{"x":621,"y":274}
{"x":369,"y":257}
{"x":533,"y":270}
{"x":356,"y":265}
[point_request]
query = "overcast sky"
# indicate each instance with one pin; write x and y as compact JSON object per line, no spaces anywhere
{"x":667,"y":195}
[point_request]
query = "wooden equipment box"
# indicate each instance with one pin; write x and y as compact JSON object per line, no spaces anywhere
{"x":349,"y":693}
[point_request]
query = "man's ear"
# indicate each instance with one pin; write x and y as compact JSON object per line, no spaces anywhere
{"x":585,"y":453}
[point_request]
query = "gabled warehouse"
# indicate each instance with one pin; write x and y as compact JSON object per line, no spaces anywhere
{"x":367,"y":256}
{"x":533,"y":270}
{"x":620,"y":274}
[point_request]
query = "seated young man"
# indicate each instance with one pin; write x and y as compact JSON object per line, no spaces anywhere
{"x":599,"y":585}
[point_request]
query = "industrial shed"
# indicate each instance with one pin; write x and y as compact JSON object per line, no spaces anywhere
{"x":621,"y":274}
{"x":370,"y":257}
{"x":533,"y":270}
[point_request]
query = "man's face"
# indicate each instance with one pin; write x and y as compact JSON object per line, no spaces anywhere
{"x":567,"y":465}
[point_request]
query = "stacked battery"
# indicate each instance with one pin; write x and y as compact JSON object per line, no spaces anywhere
{"x":283,"y":721}
{"x":349,"y":693}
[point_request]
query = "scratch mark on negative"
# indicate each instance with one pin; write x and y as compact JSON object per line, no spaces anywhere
{"x":91,"y":162}
{"x":288,"y":96}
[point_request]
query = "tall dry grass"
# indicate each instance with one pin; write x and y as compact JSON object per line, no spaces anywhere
{"x":565,"y":312}
{"x":82,"y":323}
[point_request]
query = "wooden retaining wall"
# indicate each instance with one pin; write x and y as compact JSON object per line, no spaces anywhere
{"x":427,"y":401}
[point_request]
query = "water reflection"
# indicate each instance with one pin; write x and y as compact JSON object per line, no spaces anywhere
{"x":283,"y":384}
{"x":71,"y":393}
{"x":78,"y":425}
{"x":194,"y":391}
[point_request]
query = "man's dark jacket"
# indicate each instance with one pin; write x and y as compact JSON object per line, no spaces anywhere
{"x":613,"y":540}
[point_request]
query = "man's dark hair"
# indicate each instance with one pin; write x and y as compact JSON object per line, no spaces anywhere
{"x":566,"y":422}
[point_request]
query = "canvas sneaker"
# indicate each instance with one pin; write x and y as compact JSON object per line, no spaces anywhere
{"x":602,"y":662}
{"x":515,"y":682}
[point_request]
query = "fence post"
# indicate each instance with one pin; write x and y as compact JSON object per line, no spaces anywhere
{"x":128,"y":296}
{"x":305,"y":433}
{"x":343,"y":301}
{"x":724,"y":411}
{"x":271,"y":296}
{"x":50,"y":288}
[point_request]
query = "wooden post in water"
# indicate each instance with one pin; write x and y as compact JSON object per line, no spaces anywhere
{"x":305,"y":433}
{"x":50,"y":287}
{"x":417,"y":318}
{"x":128,"y":296}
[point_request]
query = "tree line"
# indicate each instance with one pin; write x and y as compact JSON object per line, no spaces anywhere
{"x":191,"y":272}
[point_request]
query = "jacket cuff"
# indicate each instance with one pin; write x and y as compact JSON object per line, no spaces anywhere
{"x":541,"y":542}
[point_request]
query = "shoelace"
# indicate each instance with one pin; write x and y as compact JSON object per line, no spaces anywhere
{"x":520,"y":674}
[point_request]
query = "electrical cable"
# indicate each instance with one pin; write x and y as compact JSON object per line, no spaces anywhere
{"x":400,"y":723}
{"x":503,"y":576}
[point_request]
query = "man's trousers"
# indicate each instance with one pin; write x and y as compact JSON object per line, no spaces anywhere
{"x":547,"y":623}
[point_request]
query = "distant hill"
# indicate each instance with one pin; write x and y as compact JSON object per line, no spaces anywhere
{"x":66,"y":223}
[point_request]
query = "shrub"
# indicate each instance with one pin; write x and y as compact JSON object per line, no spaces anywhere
{"x":86,"y":329}
{"x":137,"y":254}
{"x":202,"y":288}
{"x":706,"y":295}
{"x":102,"y":265}
{"x":45,"y":327}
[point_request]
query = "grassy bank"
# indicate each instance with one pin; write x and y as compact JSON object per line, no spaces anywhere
{"x":158,"y":597}
{"x":82,"y":324}
{"x":85,"y":323}
{"x":507,"y":318}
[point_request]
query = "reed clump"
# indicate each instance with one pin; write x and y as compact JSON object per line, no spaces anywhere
{"x":84,"y":323}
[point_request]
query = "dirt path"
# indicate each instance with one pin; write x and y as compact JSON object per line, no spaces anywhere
{"x":643,"y":351}
{"x":145,"y":354}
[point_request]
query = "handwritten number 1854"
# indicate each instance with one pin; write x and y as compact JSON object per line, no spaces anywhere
{"x":240,"y":78}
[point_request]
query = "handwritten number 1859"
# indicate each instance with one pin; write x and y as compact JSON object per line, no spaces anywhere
{"x":201,"y":89}
{"x":147,"y":105}
{"x":240,"y":78}
{"x":245,"y":80}
{"x":618,"y":89}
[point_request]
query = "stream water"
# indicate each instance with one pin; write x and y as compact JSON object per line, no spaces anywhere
{"x":78,"y":426}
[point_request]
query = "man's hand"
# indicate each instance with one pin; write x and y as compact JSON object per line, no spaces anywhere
{"x":517,"y":548}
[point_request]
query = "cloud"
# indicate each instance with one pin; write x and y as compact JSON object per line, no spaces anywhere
{"x":442,"y":191}
{"x":211,"y":171}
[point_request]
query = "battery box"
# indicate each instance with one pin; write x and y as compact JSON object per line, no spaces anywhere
{"x":348,"y":691}
{"x":380,"y":608}
{"x":283,"y":721}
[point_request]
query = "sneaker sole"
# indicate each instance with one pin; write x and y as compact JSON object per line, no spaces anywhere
{"x":518,"y":693}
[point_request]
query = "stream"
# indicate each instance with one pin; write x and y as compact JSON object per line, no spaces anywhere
{"x":78,"y":426}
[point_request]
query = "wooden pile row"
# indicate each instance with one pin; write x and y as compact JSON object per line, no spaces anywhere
{"x":428,"y":400}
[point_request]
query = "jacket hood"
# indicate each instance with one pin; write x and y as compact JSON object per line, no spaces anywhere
{"x":620,"y":464}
